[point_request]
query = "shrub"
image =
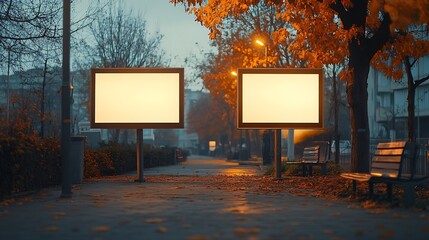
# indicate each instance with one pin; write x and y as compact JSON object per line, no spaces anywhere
{"x":28,"y":162}
{"x":114,"y":159}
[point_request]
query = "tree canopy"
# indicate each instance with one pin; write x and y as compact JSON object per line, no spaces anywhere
{"x":328,"y":32}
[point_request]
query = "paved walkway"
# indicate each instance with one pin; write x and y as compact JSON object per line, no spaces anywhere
{"x":196,"y":210}
{"x":202,"y":165}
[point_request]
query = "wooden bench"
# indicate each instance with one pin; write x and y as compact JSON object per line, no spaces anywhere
{"x":388,"y":166}
{"x":311,"y":157}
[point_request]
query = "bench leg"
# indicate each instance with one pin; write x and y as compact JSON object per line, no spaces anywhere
{"x":409,"y":195}
{"x":354,"y":187}
{"x":304,"y":170}
{"x":310,"y":170}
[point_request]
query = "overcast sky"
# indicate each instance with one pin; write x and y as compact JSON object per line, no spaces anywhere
{"x":181,"y":31}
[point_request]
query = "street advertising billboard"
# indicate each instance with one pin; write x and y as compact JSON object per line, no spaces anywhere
{"x":275,"y":98}
{"x":137,"y":98}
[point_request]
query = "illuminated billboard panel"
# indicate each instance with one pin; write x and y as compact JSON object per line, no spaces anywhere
{"x":137,"y":98}
{"x":280,"y":98}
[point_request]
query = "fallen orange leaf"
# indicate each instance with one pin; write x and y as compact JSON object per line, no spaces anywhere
{"x":153,"y":220}
{"x":162,"y":229}
{"x":51,"y":229}
{"x":240,"y":231}
{"x":58,"y":215}
{"x":197,"y":237}
{"x":102,"y":228}
{"x":378,"y":211}
{"x":386,"y":234}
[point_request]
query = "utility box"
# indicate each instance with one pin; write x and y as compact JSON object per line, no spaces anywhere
{"x":77,"y":150}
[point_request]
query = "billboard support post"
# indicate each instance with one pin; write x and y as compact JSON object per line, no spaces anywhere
{"x":278,"y":153}
{"x":137,"y":98}
{"x":296,"y":95}
{"x":140,"y":157}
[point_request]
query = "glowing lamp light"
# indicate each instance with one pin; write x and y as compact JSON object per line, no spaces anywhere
{"x":280,"y":98}
{"x":234,"y":73}
{"x":212,"y":145}
{"x":259,"y":42}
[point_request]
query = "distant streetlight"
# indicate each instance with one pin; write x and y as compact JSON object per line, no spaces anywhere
{"x":262,"y":44}
{"x":240,"y":149}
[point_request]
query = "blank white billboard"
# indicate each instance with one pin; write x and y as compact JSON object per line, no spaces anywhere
{"x":137,"y":98}
{"x":280,"y":98}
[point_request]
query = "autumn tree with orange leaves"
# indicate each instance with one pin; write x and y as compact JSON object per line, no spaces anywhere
{"x":397,"y":59}
{"x":329,"y":31}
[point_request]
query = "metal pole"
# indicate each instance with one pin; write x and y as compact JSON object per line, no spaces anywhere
{"x":140,"y":157}
{"x":240,"y":157}
{"x":65,"y":106}
{"x":290,"y":145}
{"x":278,"y":153}
{"x":8,"y":91}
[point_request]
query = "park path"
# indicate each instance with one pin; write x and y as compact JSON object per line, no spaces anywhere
{"x":193,"y":207}
{"x":203,"y":165}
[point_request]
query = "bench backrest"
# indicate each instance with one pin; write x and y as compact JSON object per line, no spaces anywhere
{"x":388,"y":159}
{"x":311,"y":154}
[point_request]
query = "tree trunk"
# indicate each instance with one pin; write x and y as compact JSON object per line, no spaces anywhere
{"x":357,"y":97}
{"x":336,"y":134}
{"x":411,"y":112}
{"x":410,"y":100}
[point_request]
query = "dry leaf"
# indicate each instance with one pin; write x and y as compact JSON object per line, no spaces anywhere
{"x":353,"y":206}
{"x":378,"y":211}
{"x":379,"y":226}
{"x":162,"y":229}
{"x":58,"y":215}
{"x":102,"y":228}
{"x":154,"y":220}
{"x":386,"y":234}
{"x":240,"y":231}
{"x":51,"y":229}
{"x":328,"y":231}
{"x":337,"y":214}
{"x":254,"y":230}
{"x":197,"y":237}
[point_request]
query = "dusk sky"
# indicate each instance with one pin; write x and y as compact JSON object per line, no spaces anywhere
{"x":182,"y":35}
{"x":181,"y":31}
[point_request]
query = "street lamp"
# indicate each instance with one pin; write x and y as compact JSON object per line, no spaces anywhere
{"x":277,"y":133}
{"x":240,"y":141}
{"x":262,"y":44}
